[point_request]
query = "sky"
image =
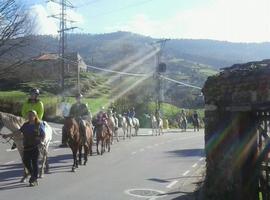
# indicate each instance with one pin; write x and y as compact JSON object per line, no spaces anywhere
{"x":226,"y":20}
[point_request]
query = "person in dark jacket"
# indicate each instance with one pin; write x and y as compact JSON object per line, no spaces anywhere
{"x":33,"y":134}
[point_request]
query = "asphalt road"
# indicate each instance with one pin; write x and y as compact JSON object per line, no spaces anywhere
{"x":142,"y":166}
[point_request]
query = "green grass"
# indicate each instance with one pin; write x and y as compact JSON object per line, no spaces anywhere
{"x":208,"y":71}
{"x":12,"y":96}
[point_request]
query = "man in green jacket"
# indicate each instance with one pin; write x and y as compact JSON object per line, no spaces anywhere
{"x":80,"y":112}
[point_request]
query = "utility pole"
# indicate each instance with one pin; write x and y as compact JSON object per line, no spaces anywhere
{"x":160,"y":69}
{"x":63,"y":29}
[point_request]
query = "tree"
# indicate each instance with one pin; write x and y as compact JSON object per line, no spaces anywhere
{"x":15,"y":26}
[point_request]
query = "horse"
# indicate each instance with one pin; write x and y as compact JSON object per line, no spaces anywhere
{"x":133,"y":123}
{"x":113,"y":125}
{"x":154,"y":125}
{"x":196,"y":124}
{"x":103,"y":135}
{"x":123,"y":123}
{"x":78,"y":136}
{"x":160,"y":126}
{"x":13,"y":123}
{"x":183,"y":123}
{"x":136,"y":125}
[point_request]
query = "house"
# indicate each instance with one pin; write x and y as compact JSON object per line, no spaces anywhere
{"x":48,"y":66}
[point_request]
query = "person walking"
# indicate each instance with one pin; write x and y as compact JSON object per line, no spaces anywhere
{"x":33,"y":132}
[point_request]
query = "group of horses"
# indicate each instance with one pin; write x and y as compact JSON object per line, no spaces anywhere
{"x":79,"y":136}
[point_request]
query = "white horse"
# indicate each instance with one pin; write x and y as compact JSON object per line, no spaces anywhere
{"x":123,"y":123}
{"x":136,"y":125}
{"x":160,"y":126}
{"x":133,"y":123}
{"x":154,"y":125}
{"x":13,"y":123}
{"x":113,"y":125}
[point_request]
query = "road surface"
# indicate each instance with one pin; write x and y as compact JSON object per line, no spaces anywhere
{"x":142,"y":166}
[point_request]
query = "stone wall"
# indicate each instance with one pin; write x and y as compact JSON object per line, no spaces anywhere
{"x":232,"y":99}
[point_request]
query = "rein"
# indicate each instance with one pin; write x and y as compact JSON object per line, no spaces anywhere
{"x":6,"y":140}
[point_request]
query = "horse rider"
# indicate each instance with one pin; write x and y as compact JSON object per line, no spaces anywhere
{"x":131,"y":115}
{"x":80,"y":112}
{"x":32,"y":103}
{"x":195,"y":118}
{"x":33,"y":132}
{"x":102,"y":118}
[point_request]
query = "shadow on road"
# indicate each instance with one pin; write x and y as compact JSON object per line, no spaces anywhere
{"x":187,"y":152}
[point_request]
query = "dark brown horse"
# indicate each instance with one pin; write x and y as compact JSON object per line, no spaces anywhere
{"x":104,"y":136}
{"x":78,"y":139}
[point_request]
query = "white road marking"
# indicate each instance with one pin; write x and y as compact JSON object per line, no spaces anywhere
{"x":10,"y":150}
{"x":134,"y":152}
{"x":201,"y":159}
{"x":56,"y":141}
{"x":171,"y":184}
{"x":141,"y":150}
{"x":10,"y":162}
{"x":58,"y":149}
{"x":195,"y":165}
{"x":186,"y":173}
{"x":156,"y":144}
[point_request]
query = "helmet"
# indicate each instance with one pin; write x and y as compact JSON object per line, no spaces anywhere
{"x":34,"y":91}
{"x":79,"y":95}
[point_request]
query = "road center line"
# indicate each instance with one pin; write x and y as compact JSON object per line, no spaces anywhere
{"x":186,"y":173}
{"x":195,"y":165}
{"x":171,"y":184}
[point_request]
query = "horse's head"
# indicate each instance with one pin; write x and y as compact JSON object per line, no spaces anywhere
{"x":71,"y":127}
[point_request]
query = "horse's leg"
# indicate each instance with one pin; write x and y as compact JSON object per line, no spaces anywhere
{"x":86,"y":151}
{"x":117,"y":137}
{"x":80,"y":154}
{"x":90,"y":147}
{"x":74,"y":159}
{"x":97,"y":146}
{"x":102,"y":146}
{"x":109,"y":147}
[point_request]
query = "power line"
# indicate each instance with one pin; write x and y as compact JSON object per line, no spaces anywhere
{"x":181,"y":83}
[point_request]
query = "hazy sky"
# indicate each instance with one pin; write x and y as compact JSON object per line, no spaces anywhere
{"x":230,"y":20}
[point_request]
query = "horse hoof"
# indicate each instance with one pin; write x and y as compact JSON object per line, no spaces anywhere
{"x":41,"y":176}
{"x":23,"y":180}
{"x":80,"y":162}
{"x":84,"y":163}
{"x":73,"y":169}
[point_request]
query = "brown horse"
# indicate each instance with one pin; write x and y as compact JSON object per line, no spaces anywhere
{"x":103,"y":135}
{"x":78,"y":139}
